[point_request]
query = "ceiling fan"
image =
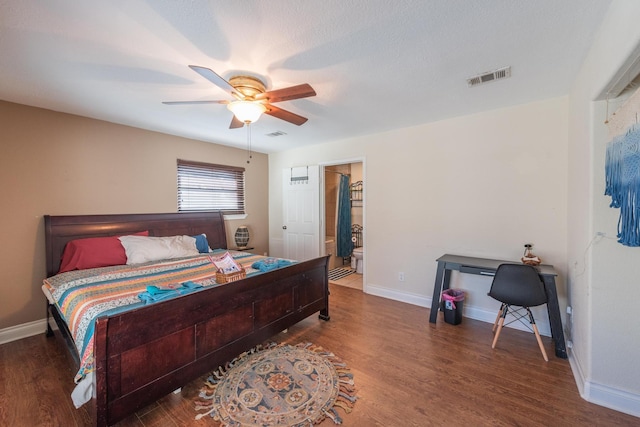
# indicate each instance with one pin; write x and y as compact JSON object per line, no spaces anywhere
{"x":251,"y":98}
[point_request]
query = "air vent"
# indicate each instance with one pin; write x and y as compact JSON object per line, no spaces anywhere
{"x":502,"y":73}
{"x":276,"y":133}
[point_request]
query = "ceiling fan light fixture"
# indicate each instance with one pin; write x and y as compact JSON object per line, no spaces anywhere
{"x":247,"y":111}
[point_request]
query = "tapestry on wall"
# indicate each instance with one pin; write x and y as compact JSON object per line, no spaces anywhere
{"x":622,"y":170}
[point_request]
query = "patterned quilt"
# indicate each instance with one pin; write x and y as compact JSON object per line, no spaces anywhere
{"x":81,"y":296}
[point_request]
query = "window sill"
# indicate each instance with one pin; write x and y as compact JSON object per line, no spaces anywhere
{"x":235,"y":216}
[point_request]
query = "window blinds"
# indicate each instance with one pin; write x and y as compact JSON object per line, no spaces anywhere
{"x":205,"y":186}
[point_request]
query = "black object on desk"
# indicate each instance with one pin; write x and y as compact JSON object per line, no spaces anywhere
{"x":488,"y":267}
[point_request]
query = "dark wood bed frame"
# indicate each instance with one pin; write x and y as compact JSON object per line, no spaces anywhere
{"x":146,"y":353}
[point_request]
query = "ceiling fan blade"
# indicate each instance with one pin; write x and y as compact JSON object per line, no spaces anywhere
{"x":216,"y":80}
{"x":285,"y":115}
{"x":193,"y":102}
{"x":235,"y":123}
{"x":294,"y":92}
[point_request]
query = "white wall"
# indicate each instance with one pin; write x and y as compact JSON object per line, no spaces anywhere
{"x":486,"y":184}
{"x":479,"y":185}
{"x":604,"y":276}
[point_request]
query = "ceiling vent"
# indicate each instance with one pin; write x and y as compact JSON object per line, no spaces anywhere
{"x":502,"y":73}
{"x":276,"y":133}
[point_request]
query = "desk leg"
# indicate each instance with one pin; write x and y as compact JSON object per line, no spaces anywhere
{"x":555,"y":321}
{"x":441,"y":283}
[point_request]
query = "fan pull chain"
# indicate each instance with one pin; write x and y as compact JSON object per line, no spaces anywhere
{"x":249,"y":141}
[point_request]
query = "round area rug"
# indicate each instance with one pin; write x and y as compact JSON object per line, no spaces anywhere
{"x":278,"y":385}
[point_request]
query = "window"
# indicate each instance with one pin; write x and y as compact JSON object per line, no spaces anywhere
{"x":208,"y":187}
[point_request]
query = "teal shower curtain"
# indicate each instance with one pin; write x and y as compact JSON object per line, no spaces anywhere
{"x":344,"y":245}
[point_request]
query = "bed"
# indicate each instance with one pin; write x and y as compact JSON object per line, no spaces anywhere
{"x":195,"y":332}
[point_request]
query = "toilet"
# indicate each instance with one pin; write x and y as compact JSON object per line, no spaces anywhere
{"x":357,"y":258}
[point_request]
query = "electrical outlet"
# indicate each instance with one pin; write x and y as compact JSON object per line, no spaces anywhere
{"x":401,"y":276}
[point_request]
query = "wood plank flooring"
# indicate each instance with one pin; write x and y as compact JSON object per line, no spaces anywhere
{"x":408,"y":372}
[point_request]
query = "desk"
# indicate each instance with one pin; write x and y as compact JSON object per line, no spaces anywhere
{"x":488,"y":267}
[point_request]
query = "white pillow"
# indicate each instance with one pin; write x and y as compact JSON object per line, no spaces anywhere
{"x":143,"y":249}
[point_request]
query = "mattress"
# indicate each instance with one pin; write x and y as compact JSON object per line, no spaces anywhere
{"x":81,"y":296}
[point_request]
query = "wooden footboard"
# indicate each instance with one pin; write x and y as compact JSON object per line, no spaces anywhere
{"x":145,"y":354}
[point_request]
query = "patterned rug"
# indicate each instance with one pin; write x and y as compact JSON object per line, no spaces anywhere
{"x":278,"y":385}
{"x":339,"y":273}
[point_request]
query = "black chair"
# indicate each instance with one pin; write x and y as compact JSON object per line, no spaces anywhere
{"x":517,"y":285}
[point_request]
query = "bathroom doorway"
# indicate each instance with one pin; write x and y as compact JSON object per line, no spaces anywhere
{"x":344,"y":270}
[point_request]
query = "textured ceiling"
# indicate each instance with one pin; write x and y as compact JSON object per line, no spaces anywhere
{"x":376,"y":65}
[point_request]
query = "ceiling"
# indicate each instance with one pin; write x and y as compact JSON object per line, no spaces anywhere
{"x":375,"y":65}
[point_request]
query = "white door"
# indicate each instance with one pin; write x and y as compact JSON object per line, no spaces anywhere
{"x":301,"y":212}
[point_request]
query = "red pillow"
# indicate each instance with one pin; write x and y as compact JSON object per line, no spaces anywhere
{"x":94,"y":252}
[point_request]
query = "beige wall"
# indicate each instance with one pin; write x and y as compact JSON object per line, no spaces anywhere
{"x":60,"y":164}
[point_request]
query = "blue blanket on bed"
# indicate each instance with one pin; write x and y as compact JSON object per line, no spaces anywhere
{"x":155,"y":294}
{"x":269,"y":264}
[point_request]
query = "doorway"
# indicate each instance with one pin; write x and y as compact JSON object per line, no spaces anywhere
{"x":344,"y":270}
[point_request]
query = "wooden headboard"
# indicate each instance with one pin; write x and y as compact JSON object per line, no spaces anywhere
{"x":59,"y":230}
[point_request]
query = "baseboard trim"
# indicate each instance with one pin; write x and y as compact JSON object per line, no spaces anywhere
{"x":613,"y":398}
{"x":578,"y":374}
{"x":599,"y":394}
{"x":25,"y":330}
{"x":406,"y":297}
{"x":470,"y":311}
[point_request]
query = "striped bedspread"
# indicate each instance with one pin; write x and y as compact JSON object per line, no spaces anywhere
{"x":82,"y":296}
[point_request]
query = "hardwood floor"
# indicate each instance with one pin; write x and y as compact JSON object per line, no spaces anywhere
{"x":407,"y":371}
